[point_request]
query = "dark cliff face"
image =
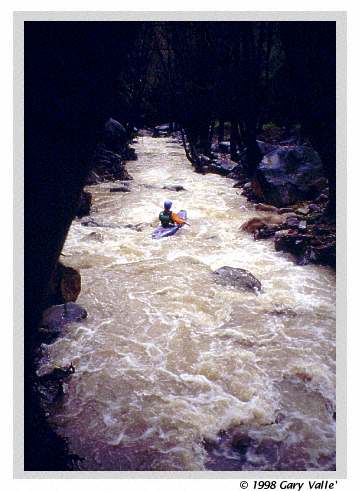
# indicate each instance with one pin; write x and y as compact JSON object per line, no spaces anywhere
{"x":69,"y":80}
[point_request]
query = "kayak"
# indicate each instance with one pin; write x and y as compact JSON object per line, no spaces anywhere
{"x":161,"y":232}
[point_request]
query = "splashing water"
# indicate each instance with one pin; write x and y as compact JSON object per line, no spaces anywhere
{"x":177,"y":372}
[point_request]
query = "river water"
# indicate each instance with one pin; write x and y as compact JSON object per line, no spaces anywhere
{"x":175,"y":371}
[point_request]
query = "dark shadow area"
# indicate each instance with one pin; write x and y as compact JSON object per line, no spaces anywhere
{"x":218,"y":83}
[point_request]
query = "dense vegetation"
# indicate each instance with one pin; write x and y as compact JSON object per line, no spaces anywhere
{"x":245,"y":74}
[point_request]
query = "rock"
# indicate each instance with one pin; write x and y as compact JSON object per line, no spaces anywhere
{"x":256,"y":223}
{"x":115,"y":135}
{"x":92,"y":178}
{"x":265,"y":207}
{"x":57,"y":374}
{"x":162,"y":130}
{"x":280,"y":311}
{"x":240,"y":278}
{"x":265,"y":232}
{"x":137,"y":227}
{"x":50,"y":385}
{"x":285,"y":210}
{"x":241,"y":442}
{"x":120,"y":189}
{"x":224,"y":147}
{"x":313,"y":244}
{"x":109,"y":165}
{"x":56,"y":317}
{"x":175,"y":188}
{"x":264,"y":147}
{"x":269,"y":450}
{"x":90,"y":222}
{"x":314,"y":207}
{"x":322,"y":198}
{"x":292,"y":222}
{"x":223,"y":166}
{"x":320,"y":185}
{"x":65,"y":285}
{"x":128,"y":153}
{"x":303,"y":210}
{"x":293,"y":140}
{"x":96,"y":236}
{"x":286,"y":175}
{"x":238,"y":172}
{"x":84,"y":205}
{"x":302,"y":225}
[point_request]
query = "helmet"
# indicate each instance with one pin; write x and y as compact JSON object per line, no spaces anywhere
{"x":167,"y":204}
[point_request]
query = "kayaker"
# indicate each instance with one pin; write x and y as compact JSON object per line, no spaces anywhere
{"x":168,"y":218}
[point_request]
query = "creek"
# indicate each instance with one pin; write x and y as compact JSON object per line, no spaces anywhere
{"x":174,"y":371}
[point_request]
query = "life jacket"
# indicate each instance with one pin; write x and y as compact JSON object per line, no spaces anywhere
{"x":165,"y":218}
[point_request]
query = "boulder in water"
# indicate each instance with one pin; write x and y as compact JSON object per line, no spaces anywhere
{"x":120,"y":189}
{"x":50,"y":385}
{"x":238,"y":277}
{"x":162,"y":130}
{"x":55,"y":317}
{"x":223,"y":167}
{"x":265,"y":147}
{"x":241,"y":442}
{"x":65,"y":285}
{"x":266,"y":207}
{"x":96,"y":236}
{"x":115,"y":135}
{"x":256,"y":223}
{"x":176,"y":187}
{"x":224,"y":147}
{"x":90,"y":222}
{"x":287,"y":175}
{"x":84,"y":205}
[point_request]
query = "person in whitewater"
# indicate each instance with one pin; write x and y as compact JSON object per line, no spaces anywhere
{"x":168,"y":218}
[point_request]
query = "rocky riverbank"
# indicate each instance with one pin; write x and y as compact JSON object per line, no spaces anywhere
{"x":290,"y":187}
{"x":109,"y":164}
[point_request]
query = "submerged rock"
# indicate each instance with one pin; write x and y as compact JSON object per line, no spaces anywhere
{"x":109,"y":165}
{"x":138,"y":227}
{"x":90,"y":222}
{"x":56,"y":317}
{"x":265,"y":147}
{"x":241,"y":442}
{"x":176,"y":187}
{"x":96,"y":236}
{"x":238,"y":277}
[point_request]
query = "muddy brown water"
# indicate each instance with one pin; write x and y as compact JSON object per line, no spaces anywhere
{"x":175,"y":371}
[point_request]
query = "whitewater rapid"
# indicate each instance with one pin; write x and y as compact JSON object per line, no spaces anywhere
{"x":173,"y":369}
